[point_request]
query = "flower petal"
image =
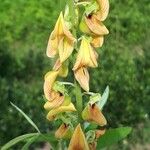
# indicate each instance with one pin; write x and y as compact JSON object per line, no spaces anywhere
{"x":78,"y":141}
{"x":86,"y":56}
{"x":50,"y":78}
{"x":64,"y":132}
{"x":92,"y":113}
{"x":82,"y":76}
{"x":97,"y":41}
{"x":104,"y":9}
{"x":97,"y":27}
{"x":65,"y":49}
{"x":54,"y":112}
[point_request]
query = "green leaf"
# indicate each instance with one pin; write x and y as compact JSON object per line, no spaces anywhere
{"x":91,"y":8}
{"x":41,"y":138}
{"x":96,"y":97}
{"x":29,"y":142}
{"x":112,"y":136}
{"x":104,"y":98}
{"x":17,"y":140}
{"x":28,"y":119}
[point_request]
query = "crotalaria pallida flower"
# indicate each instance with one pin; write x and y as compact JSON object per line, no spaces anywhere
{"x":92,"y":24}
{"x":64,"y":132}
{"x":78,"y":141}
{"x":86,"y":57}
{"x":61,"y":40}
{"x":92,"y":113}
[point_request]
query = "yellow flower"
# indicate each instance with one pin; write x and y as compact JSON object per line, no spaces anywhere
{"x":82,"y":76}
{"x":103,"y":11}
{"x":78,"y":141}
{"x":87,"y":56}
{"x":61,"y":40}
{"x":54,"y":112}
{"x":92,"y":113}
{"x":64,"y":132}
{"x":50,"y":78}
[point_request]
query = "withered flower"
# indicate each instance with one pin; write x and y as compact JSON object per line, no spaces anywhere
{"x":78,"y":141}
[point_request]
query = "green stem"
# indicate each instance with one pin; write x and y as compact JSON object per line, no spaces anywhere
{"x":79,"y":102}
{"x":78,"y":94}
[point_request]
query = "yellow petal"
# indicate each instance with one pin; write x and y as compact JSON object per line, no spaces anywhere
{"x":97,"y":41}
{"x":65,"y":48}
{"x":64,"y":132}
{"x":92,"y":113}
{"x":104,"y":9}
{"x":78,"y":141}
{"x":54,"y":112}
{"x":82,"y":76}
{"x":97,"y":27}
{"x":86,"y":56}
{"x":57,"y":101}
{"x":55,"y":37}
{"x":50,"y":78}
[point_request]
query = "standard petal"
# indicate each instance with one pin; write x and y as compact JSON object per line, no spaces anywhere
{"x":64,"y":132}
{"x":97,"y":27}
{"x":104,"y":9}
{"x":92,"y":113}
{"x":78,"y":141}
{"x":82,"y":76}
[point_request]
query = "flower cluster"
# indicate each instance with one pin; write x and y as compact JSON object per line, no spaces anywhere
{"x":60,"y":47}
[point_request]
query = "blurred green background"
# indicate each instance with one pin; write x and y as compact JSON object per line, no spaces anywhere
{"x":124,"y":66}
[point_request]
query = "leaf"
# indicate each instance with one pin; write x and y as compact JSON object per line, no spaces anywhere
{"x":29,"y":142}
{"x":41,"y":138}
{"x":28,"y":119}
{"x":96,"y":97}
{"x":17,"y":140}
{"x":104,"y":98}
{"x":91,"y":8}
{"x":112,"y":136}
